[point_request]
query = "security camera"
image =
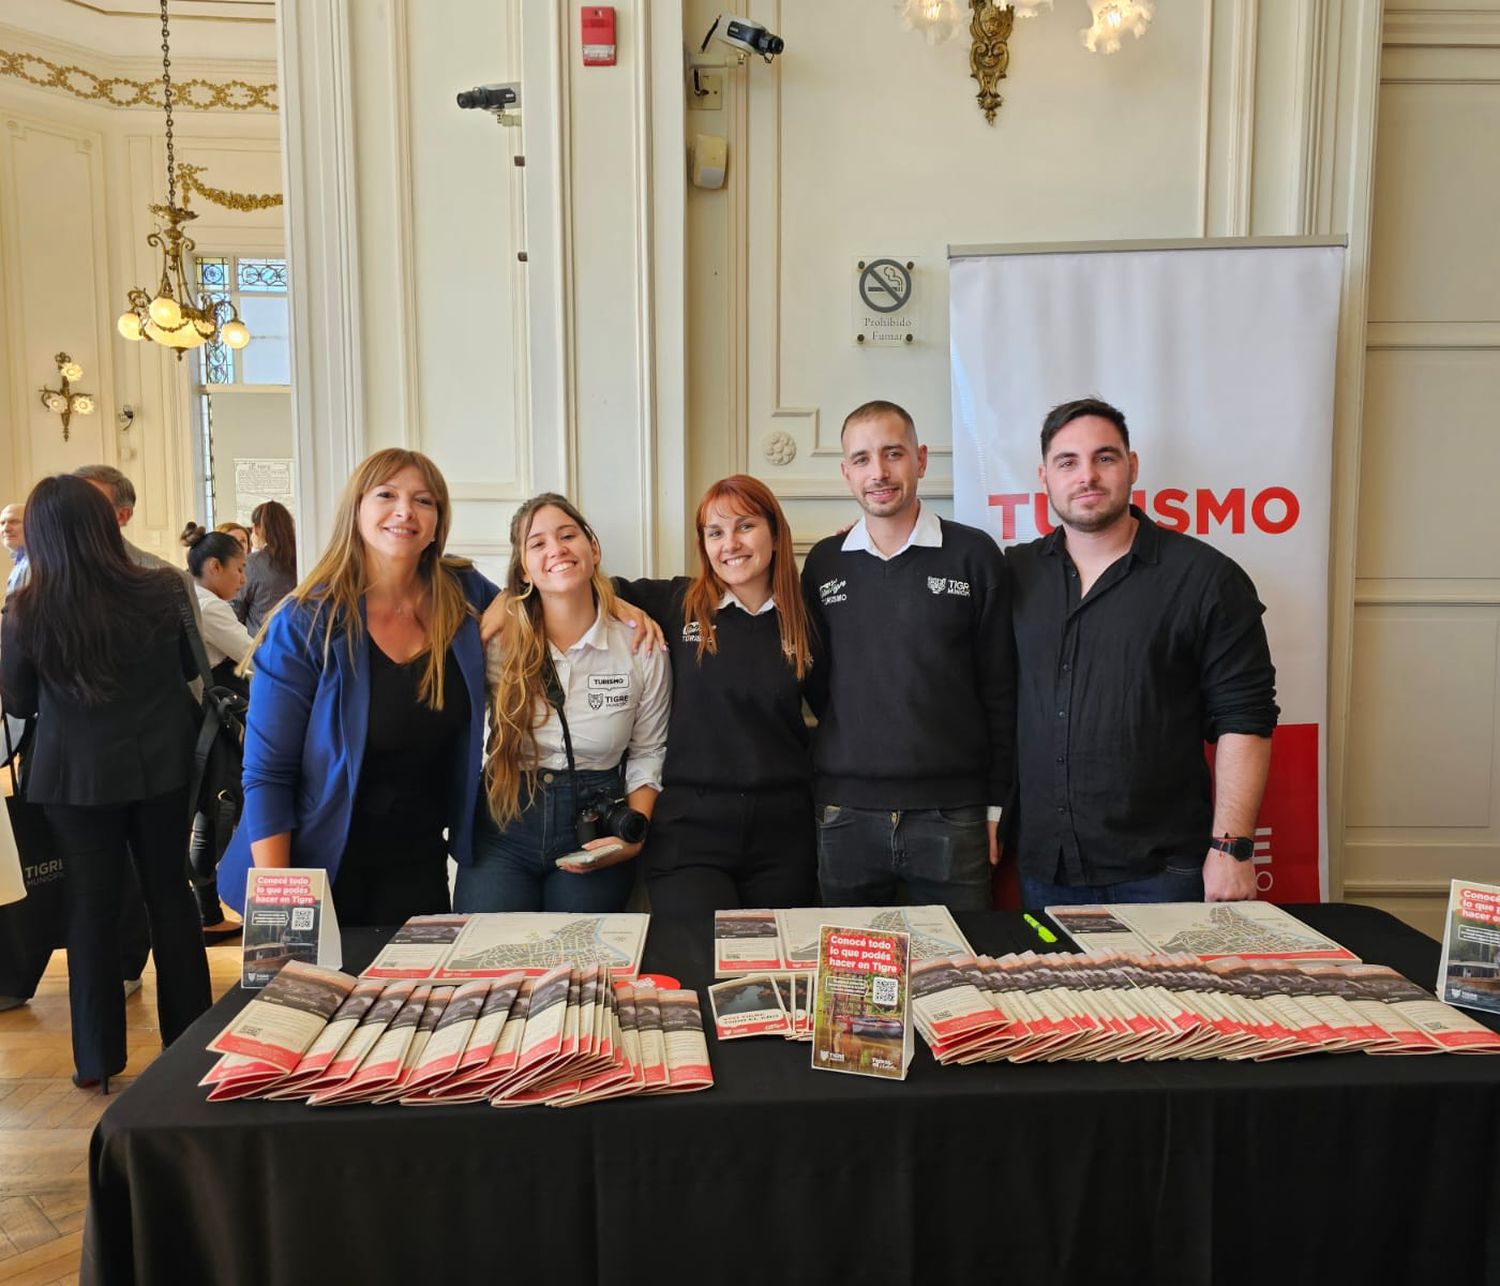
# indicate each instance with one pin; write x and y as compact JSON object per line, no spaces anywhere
{"x":498,"y":100}
{"x":746,"y":37}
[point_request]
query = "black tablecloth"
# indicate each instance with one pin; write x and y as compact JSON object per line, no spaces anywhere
{"x":1329,"y":1169}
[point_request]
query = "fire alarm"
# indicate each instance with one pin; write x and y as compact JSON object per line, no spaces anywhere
{"x":598,"y":35}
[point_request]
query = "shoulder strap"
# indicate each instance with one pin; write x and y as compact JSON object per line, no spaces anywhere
{"x":194,"y":639}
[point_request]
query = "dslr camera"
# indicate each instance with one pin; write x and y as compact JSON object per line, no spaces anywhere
{"x":603,"y":816}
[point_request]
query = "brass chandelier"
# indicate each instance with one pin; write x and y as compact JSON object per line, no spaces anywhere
{"x":175,"y":316}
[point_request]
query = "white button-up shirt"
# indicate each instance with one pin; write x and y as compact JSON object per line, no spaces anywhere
{"x":729,"y":600}
{"x":616,"y":700}
{"x":224,"y":637}
{"x":926,"y":531}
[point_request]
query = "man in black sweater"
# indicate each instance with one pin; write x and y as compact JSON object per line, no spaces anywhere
{"x":914,"y":752}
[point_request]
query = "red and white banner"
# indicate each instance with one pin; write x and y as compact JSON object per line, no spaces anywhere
{"x":1222,"y":359}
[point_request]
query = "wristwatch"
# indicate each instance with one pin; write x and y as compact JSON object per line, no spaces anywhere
{"x":1239,"y":847}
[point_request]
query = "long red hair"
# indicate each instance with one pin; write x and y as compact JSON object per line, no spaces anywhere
{"x":742,"y":494}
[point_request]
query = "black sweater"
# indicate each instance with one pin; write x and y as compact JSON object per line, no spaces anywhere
{"x":917,"y":701}
{"x":736,"y":715}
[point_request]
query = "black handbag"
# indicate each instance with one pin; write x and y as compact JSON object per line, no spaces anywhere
{"x":31,"y":929}
{"x":215,"y":793}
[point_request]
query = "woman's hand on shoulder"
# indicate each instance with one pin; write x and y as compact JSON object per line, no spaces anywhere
{"x":494,"y":617}
{"x":626,"y":853}
{"x":646,"y":633}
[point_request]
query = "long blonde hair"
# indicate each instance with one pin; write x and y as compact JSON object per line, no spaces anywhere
{"x":520,"y":703}
{"x":339,"y":579}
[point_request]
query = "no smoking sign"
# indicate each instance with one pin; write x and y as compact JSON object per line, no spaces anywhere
{"x":883,"y":302}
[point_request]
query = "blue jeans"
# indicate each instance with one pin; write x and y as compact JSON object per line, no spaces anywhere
{"x":1174,"y":884}
{"x":939,"y":855}
{"x":515,"y":869}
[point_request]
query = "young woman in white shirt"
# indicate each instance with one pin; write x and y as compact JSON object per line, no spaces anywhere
{"x":216,"y":562}
{"x":561,"y":670}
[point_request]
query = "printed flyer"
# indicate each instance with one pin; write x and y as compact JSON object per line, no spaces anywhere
{"x":860,"y":998}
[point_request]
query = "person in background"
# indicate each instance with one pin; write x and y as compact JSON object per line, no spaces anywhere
{"x":120,"y":492}
{"x":578,"y":721}
{"x":271,"y":569}
{"x":365,"y":736}
{"x":217,"y":565}
{"x":240,"y":532}
{"x":13,"y":536}
{"x":734,"y":824}
{"x":95,"y":647}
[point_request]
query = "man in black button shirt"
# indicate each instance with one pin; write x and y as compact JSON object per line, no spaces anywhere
{"x":1134,"y":645}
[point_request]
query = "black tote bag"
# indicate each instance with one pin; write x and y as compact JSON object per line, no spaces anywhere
{"x":31,"y":929}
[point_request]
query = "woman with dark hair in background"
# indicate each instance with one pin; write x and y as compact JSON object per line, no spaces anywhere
{"x":217,"y":565}
{"x":240,"y":532}
{"x":364,"y":740}
{"x":94,"y":646}
{"x":271,"y":569}
{"x":734,"y":825}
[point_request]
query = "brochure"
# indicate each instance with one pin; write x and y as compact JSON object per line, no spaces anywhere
{"x":1469,"y":972}
{"x":458,"y":948}
{"x":860,"y":1000}
{"x":288,"y":916}
{"x":1208,"y":930}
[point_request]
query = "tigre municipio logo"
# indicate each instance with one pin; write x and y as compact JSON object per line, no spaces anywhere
{"x":942,"y":585}
{"x":832,"y":591}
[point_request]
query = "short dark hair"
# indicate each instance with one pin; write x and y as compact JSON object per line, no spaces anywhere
{"x":1059,"y":417}
{"x":121,"y":489}
{"x":869,"y":410}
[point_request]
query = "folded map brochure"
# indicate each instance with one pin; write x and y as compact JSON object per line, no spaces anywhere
{"x":1469,"y":972}
{"x":1208,"y":930}
{"x":763,"y":1004}
{"x":1118,"y":1007}
{"x":460,"y":948}
{"x":565,"y":1037}
{"x":786,"y":941}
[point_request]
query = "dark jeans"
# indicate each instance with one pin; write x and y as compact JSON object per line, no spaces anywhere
{"x":715,"y":850}
{"x":1174,"y":884}
{"x":869,"y":857}
{"x":96,"y":843}
{"x":515,"y":869}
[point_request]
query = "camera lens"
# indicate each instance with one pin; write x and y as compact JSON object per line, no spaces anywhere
{"x":770,"y":44}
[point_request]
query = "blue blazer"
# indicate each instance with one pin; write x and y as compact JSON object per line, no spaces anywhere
{"x":305,"y":741}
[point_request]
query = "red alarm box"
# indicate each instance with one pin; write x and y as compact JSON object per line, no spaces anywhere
{"x":598,"y":35}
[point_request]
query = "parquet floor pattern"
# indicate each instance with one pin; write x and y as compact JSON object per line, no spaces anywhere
{"x":45,"y":1123}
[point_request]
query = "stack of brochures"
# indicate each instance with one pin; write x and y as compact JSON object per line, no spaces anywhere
{"x":568,"y":1036}
{"x":786,"y":940}
{"x":1120,"y":1006}
{"x":763,"y":1004}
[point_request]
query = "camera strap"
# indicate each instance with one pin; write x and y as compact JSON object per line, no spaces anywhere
{"x":552,"y":688}
{"x":557,"y":699}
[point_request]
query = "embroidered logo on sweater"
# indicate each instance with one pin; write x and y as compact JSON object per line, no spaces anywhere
{"x":942,"y":585}
{"x":832,"y":591}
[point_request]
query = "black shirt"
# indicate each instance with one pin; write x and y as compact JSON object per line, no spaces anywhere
{"x":1117,"y":694}
{"x":916,"y":704}
{"x":401,"y":806}
{"x":737,"y":714}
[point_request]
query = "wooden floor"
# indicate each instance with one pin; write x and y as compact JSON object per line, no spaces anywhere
{"x":45,"y":1123}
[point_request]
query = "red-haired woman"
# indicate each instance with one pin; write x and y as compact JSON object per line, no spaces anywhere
{"x":734,"y":824}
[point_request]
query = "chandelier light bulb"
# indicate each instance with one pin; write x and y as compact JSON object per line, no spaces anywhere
{"x":56,"y":403}
{"x":937,"y":20}
{"x":166,"y":312}
{"x":235,"y":334}
{"x":71,"y":371}
{"x":83,"y":404}
{"x":182,"y":337}
{"x":1112,"y":18}
{"x":129,"y":325}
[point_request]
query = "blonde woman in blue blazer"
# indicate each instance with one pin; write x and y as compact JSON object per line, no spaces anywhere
{"x":365,"y":733}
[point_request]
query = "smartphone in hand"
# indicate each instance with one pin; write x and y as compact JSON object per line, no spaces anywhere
{"x":588,"y":856}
